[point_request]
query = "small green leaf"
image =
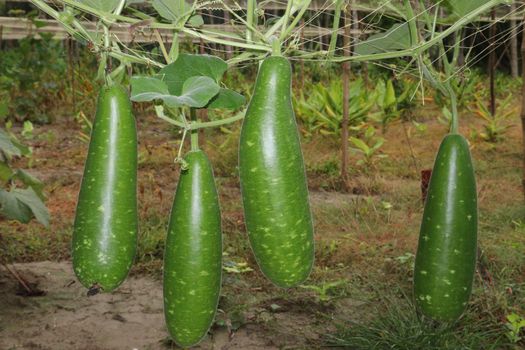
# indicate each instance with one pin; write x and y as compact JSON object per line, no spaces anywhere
{"x":196,"y":91}
{"x":227,"y":99}
{"x":39,"y":24}
{"x":187,"y":66}
{"x":12,"y":209}
{"x":196,"y":21}
{"x":378,"y":144}
{"x":7,"y":146}
{"x":27,"y":131}
{"x":360,"y":144}
{"x":31,"y":199}
{"x":147,"y":89}
{"x":464,"y":7}
{"x":5,"y":172}
{"x":102,"y":5}
{"x":170,"y":9}
{"x":395,"y":39}
{"x":30,"y":180}
{"x":390,"y":95}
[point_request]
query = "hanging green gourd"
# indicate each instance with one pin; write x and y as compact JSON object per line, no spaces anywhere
{"x":446,"y":254}
{"x":192,"y":259}
{"x":273,"y":180}
{"x":106,"y":224}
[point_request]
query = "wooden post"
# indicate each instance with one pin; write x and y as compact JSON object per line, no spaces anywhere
{"x":229,"y":52}
{"x":523,"y":103}
{"x":301,"y":45}
{"x":492,"y":63}
{"x":71,"y":70}
{"x":513,"y":43}
{"x":346,"y":101}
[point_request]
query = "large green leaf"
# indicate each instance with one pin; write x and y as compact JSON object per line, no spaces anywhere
{"x":227,"y":99}
{"x":170,"y":9}
{"x":102,"y":5}
{"x":395,"y":39}
{"x":187,"y":66}
{"x":196,"y":91}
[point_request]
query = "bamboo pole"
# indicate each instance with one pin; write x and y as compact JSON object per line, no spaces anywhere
{"x":492,"y":65}
{"x":229,"y":52}
{"x":346,"y":102}
{"x":513,"y":44}
{"x":523,"y":103}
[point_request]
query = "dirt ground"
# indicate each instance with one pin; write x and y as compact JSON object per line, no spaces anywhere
{"x":130,"y":318}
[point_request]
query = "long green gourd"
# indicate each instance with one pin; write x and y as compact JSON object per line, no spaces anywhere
{"x":192,"y":259}
{"x":446,"y":255}
{"x":106,"y":225}
{"x":273,"y":180}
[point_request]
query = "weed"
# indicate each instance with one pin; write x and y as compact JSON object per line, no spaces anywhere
{"x":514,"y":325}
{"x":495,"y":126}
{"x":368,"y":147}
{"x":324,"y":292}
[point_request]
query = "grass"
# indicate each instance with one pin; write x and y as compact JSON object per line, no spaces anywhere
{"x":396,"y":325}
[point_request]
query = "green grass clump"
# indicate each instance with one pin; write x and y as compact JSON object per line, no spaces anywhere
{"x":396,"y":325}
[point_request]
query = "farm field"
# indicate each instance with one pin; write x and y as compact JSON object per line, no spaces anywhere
{"x":303,"y":174}
{"x":365,"y":244}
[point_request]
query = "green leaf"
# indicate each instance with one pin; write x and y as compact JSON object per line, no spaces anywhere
{"x":5,"y":172}
{"x":463,"y":7}
{"x":12,"y":209}
{"x":7,"y":146}
{"x":196,"y":91}
{"x":30,"y":180}
{"x":378,"y":144}
{"x":360,"y":144}
{"x":395,"y":39}
{"x":196,"y":21}
{"x":147,"y":89}
{"x":31,"y":199}
{"x":187,"y":66}
{"x":102,"y":5}
{"x":39,"y":24}
{"x":170,"y":9}
{"x":25,"y":150}
{"x":227,"y":99}
{"x":390,"y":95}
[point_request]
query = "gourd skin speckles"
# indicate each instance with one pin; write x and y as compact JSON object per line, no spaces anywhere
{"x":106,"y":224}
{"x":446,"y":255}
{"x":273,"y":180}
{"x":192,"y":258}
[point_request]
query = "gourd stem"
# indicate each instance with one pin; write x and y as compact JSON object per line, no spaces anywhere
{"x":194,"y":133}
{"x":276,"y":47}
{"x":250,"y":20}
{"x":454,"y":124}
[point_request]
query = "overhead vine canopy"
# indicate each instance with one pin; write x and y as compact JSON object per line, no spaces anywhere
{"x":310,"y":30}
